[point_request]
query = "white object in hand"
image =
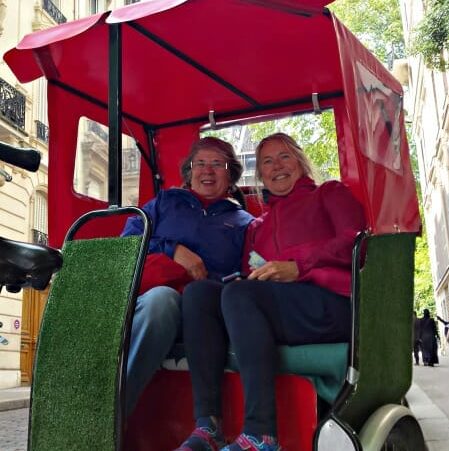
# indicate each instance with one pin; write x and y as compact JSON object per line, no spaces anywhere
{"x":255,"y":260}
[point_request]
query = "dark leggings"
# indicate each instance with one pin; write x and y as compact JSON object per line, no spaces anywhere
{"x":258,"y":316}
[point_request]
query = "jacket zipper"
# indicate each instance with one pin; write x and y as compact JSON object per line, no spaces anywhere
{"x":276,"y":230}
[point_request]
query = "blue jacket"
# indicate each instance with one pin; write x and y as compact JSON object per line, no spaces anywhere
{"x":216,"y":233}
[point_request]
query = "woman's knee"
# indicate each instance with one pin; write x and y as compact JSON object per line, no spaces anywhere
{"x":200,"y":295}
{"x":238,"y":296}
{"x":159,"y":304}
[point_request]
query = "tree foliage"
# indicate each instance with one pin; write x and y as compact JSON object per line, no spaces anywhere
{"x":424,"y":297}
{"x":315,"y":133}
{"x":431,"y":37}
{"x":377,"y":23}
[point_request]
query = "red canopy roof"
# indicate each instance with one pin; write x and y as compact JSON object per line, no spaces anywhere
{"x":229,"y":55}
{"x":182,"y":59}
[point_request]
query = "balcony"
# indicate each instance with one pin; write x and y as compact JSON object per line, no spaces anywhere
{"x":41,"y":131}
{"x":96,"y":128}
{"x":39,"y":237}
{"x":12,"y":105}
{"x":53,"y":11}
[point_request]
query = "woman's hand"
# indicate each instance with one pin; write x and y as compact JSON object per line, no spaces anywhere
{"x":192,"y":262}
{"x":276,"y":272}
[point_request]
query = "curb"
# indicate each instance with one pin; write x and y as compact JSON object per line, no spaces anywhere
{"x":14,"y":398}
{"x":14,"y":404}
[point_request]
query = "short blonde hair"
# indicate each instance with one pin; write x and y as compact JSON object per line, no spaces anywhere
{"x":291,"y":145}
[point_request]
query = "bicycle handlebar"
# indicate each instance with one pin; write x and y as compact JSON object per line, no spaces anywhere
{"x":28,"y":159}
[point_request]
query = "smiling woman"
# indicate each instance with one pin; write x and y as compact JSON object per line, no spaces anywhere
{"x":210,"y":160}
{"x":207,"y":245}
{"x":300,"y":295}
{"x":210,"y":177}
{"x":279,"y":164}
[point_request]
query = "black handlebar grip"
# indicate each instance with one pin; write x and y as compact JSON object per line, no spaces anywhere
{"x":28,"y":159}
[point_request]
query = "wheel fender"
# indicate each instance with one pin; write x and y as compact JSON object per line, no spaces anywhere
{"x":376,"y":429}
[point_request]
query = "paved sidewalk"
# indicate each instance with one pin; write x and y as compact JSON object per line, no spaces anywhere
{"x":429,"y":401}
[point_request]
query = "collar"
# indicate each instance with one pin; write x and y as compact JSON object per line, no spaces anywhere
{"x":303,"y":185}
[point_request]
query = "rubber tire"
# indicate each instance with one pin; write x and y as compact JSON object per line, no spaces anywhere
{"x":405,"y":436}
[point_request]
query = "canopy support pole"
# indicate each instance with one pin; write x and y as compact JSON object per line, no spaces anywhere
{"x":157,"y":179}
{"x":115,"y":115}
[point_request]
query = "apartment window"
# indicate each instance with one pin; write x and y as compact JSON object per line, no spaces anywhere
{"x":93,"y":6}
{"x":41,"y":120}
{"x":40,"y":222}
{"x":91,"y":165}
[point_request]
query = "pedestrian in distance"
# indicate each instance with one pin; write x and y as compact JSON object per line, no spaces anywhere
{"x":416,"y":337}
{"x":428,"y":336}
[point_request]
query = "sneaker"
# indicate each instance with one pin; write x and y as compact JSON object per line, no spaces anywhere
{"x":202,"y":439}
{"x":250,"y":443}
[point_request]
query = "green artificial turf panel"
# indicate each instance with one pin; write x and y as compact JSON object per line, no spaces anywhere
{"x":74,"y":384}
{"x":383,"y":351}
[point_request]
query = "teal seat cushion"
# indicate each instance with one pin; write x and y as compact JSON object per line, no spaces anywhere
{"x":324,"y":364}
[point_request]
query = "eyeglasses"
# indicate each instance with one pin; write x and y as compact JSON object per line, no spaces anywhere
{"x":215,"y":165}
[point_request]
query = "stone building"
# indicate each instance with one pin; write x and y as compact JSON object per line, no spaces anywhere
{"x":23,"y":201}
{"x":428,"y":112}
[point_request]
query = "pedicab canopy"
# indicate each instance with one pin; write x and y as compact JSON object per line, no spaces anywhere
{"x":186,"y":63}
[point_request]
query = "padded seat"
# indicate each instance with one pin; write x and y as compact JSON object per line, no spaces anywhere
{"x":324,"y":364}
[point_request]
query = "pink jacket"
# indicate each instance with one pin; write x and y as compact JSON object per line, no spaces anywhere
{"x":314,"y":226}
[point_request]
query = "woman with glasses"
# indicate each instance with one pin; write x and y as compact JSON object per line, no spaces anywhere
{"x":200,"y":227}
{"x":297,"y":259}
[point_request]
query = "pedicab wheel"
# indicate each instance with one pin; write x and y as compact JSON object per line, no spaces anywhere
{"x":406,"y":435}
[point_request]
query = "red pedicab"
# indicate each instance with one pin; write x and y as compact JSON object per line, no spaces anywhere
{"x":159,"y":71}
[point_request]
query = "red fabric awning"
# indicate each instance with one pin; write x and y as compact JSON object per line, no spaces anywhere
{"x":183,"y":59}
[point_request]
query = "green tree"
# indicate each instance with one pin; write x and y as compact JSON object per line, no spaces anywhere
{"x":377,"y":23}
{"x":431,"y":37}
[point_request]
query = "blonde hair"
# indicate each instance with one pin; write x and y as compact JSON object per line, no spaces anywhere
{"x":291,"y":145}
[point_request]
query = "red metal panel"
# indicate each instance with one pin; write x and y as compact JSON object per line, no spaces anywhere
{"x":164,"y":416}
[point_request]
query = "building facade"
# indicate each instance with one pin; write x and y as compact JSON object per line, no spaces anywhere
{"x":428,"y":112}
{"x":23,"y":201}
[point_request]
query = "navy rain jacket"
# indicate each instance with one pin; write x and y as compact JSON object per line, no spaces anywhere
{"x":215,"y":233}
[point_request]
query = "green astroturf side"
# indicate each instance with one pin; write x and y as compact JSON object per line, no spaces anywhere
{"x":385,"y":327}
{"x":74,"y":384}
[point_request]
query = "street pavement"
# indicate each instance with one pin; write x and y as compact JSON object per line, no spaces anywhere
{"x":428,"y":398}
{"x":429,"y":401}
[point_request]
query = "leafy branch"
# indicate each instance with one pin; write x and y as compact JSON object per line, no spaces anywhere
{"x":431,"y":37}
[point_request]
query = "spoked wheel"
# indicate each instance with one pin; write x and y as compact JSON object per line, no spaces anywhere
{"x":405,"y":436}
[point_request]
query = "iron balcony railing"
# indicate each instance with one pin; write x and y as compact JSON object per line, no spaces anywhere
{"x":12,"y":104}
{"x":39,"y":237}
{"x":41,"y":131}
{"x":94,"y":127}
{"x":53,"y":11}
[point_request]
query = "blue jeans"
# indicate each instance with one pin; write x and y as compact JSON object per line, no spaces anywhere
{"x":156,"y":323}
